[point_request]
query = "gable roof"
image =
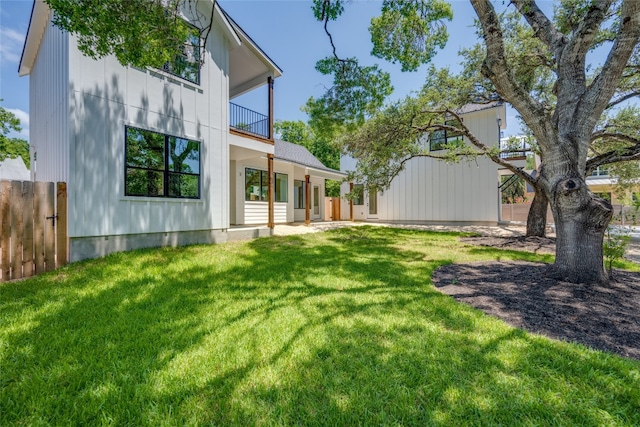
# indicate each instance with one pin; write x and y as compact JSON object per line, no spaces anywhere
{"x":236,"y":36}
{"x":472,"y":108}
{"x":299,"y":155}
{"x":14,"y":169}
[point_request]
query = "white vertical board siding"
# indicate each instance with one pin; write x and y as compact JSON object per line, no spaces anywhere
{"x":258,"y":213}
{"x":49,"y":94}
{"x":249,"y":212}
{"x":106,"y":97}
{"x":431,"y":190}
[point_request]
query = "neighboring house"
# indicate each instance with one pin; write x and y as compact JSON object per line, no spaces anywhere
{"x":429,"y":190}
{"x":599,"y":181}
{"x":14,"y":170}
{"x":603,"y":185}
{"x":158,"y":157}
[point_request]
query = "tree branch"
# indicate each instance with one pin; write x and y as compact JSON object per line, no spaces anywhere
{"x":484,"y":149}
{"x":542,"y":27}
{"x":622,"y":98}
{"x":603,"y":87}
{"x":496,"y":69}
{"x":628,"y":154}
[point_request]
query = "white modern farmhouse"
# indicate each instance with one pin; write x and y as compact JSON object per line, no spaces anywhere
{"x":429,"y":190}
{"x":156,"y":157}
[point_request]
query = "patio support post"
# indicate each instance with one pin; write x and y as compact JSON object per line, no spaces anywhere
{"x":270,"y":191}
{"x":307,"y":203}
{"x":270,"y":84}
{"x":351,"y":202}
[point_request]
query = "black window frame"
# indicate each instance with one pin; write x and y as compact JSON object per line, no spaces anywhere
{"x":166,"y":171}
{"x":263,"y":183}
{"x":170,"y":67}
{"x":440,"y":138}
{"x":300,"y":198}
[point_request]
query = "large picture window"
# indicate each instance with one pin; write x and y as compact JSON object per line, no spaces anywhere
{"x":438,"y":140}
{"x":187,"y":64}
{"x":299,"y":194}
{"x":159,"y":165}
{"x":256,"y":186}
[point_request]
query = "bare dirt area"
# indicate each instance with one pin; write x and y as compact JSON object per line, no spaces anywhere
{"x":520,"y":293}
{"x":538,"y":245}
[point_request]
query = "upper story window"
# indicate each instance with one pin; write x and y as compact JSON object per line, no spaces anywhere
{"x":600,"y":171}
{"x":159,"y":165}
{"x":440,"y":138}
{"x":187,"y":64}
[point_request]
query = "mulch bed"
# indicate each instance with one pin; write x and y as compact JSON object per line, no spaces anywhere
{"x":521,"y":294}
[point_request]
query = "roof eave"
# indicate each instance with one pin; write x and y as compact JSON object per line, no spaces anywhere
{"x":253,"y":46}
{"x":37,"y":25}
{"x":40,"y":14}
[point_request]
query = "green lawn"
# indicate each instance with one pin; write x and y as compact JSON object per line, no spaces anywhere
{"x":336,"y":328}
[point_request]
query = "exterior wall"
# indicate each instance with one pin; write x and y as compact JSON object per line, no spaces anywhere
{"x":428,"y":190}
{"x":49,"y":95}
{"x":106,"y":97}
{"x":300,"y":214}
{"x":251,"y":212}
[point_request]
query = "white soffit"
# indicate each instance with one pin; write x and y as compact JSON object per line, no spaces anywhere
{"x":37,"y":24}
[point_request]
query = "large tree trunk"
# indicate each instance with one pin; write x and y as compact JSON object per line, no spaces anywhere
{"x":537,"y":217}
{"x":581,"y":221}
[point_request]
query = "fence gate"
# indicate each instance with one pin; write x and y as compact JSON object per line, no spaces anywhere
{"x":33,"y":228}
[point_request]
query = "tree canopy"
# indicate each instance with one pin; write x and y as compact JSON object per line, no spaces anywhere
{"x":540,"y":66}
{"x":12,"y":147}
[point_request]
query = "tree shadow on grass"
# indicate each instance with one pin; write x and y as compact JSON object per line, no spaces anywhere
{"x":336,"y":328}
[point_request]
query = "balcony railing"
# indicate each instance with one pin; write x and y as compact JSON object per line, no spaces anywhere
{"x":514,"y":151}
{"x":248,"y":121}
{"x":600,"y":172}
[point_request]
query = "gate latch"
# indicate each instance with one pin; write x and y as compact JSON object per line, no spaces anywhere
{"x":53,"y":217}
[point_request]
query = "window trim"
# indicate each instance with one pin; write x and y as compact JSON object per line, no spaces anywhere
{"x":275,"y":189}
{"x":166,"y":172}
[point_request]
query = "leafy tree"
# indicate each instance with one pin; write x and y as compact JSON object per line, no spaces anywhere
{"x":298,"y":132}
{"x":539,"y":66}
{"x":137,"y":32}
{"x":516,"y":64}
{"x":12,"y":147}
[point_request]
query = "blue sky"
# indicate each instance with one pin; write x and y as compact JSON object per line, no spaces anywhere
{"x":285,"y":30}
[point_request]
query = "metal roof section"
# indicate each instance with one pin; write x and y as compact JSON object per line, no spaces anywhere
{"x":14,"y":169}
{"x":300,"y":156}
{"x":472,"y":108}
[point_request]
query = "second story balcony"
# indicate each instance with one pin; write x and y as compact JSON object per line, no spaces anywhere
{"x":250,"y":122}
{"x":250,"y":70}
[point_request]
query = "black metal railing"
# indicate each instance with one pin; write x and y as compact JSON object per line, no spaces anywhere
{"x":250,"y":121}
{"x":510,"y":151}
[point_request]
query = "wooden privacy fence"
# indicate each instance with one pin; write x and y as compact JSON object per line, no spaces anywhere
{"x":33,"y":228}
{"x":622,"y":215}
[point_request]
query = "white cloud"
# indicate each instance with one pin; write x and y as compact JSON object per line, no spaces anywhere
{"x":11,"y":46}
{"x":23,"y":116}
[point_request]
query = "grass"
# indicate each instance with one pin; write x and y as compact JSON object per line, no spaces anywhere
{"x":335,"y":328}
